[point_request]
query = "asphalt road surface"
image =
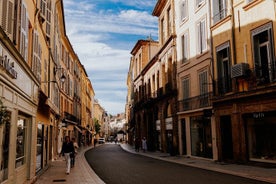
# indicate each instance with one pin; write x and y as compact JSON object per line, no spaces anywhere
{"x":116,"y":166}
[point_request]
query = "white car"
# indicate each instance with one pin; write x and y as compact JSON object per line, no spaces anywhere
{"x":101,"y":140}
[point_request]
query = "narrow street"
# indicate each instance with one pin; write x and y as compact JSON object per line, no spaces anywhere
{"x":115,"y":166}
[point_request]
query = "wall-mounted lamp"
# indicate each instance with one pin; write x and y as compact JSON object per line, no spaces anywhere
{"x":62,"y":78}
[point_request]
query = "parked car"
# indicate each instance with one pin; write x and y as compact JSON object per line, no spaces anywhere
{"x":101,"y":141}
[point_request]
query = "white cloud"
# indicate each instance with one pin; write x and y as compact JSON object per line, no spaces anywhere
{"x":90,"y":31}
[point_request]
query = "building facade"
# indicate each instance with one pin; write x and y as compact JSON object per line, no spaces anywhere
{"x":39,"y":88}
{"x":244,"y":70}
{"x":194,"y":71}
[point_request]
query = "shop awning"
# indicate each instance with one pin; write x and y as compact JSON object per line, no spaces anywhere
{"x":89,"y":131}
{"x":78,"y":129}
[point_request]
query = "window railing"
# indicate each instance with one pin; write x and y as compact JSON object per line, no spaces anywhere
{"x":220,"y":15}
{"x":223,"y":85}
{"x":196,"y":102}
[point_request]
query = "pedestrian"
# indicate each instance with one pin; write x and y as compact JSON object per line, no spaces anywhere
{"x":137,"y":144}
{"x":73,"y":155}
{"x":67,"y":149}
{"x":144,"y":144}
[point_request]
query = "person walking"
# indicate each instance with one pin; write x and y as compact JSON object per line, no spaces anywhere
{"x":137,"y":144}
{"x":67,"y":149}
{"x":144,"y":144}
{"x":73,"y":155}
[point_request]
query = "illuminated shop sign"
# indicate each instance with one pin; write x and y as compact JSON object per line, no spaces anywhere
{"x":8,"y":66}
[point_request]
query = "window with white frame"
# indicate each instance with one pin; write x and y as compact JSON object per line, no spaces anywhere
{"x":185,"y":49}
{"x":199,"y":3}
{"x":201,"y":36}
{"x":184,"y":10}
{"x":219,"y":10}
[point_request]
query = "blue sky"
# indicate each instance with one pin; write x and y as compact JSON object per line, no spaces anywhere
{"x":103,"y":33}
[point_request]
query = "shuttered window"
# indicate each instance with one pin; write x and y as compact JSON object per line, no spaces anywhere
{"x":7,"y":17}
{"x":24,"y":32}
{"x":36,"y":61}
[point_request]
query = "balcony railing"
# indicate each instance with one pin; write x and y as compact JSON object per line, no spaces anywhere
{"x":220,"y":15}
{"x":223,"y":85}
{"x":71,"y":118}
{"x":196,"y":102}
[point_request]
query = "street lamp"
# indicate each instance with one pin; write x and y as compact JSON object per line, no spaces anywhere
{"x":62,"y":78}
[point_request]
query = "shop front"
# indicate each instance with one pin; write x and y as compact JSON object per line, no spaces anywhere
{"x":201,"y":137}
{"x":261,"y":137}
{"x":19,"y":97}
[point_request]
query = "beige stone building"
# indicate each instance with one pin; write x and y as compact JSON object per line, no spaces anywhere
{"x":244,"y":72}
{"x":99,"y":116}
{"x":39,"y":88}
{"x":194,"y":71}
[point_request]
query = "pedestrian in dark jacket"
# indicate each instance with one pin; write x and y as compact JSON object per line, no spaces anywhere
{"x":67,"y":149}
{"x":137,"y":144}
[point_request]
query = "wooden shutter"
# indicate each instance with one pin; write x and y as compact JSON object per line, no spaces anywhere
{"x":24,"y":32}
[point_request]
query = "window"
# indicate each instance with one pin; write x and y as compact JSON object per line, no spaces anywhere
{"x":43,"y":7}
{"x":184,"y":43}
{"x":203,"y":89}
{"x":219,"y":10}
{"x":263,"y":54}
{"x":21,"y":142}
{"x":48,"y":18}
{"x":201,"y":36}
{"x":203,"y":83}
{"x":36,"y":62}
{"x":7,"y":14}
{"x":5,"y":142}
{"x":163,"y":31}
{"x":169,"y":18}
{"x":184,"y":10}
{"x":24,"y":32}
{"x":199,"y":3}
{"x":186,"y":93}
{"x":224,"y":84}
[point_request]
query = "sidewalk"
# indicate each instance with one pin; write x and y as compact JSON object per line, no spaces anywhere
{"x":81,"y":173}
{"x":256,"y":173}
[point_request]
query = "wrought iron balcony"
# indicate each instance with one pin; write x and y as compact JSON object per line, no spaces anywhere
{"x":196,"y":102}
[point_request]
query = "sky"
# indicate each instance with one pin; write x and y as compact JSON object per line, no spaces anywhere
{"x":103,"y":33}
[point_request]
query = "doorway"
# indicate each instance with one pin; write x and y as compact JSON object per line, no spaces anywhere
{"x":226,"y":138}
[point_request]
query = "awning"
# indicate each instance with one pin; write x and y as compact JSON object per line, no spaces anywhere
{"x":78,"y":129}
{"x":69,"y":121}
{"x":89,"y":131}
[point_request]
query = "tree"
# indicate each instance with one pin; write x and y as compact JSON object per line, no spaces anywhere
{"x":97,"y":126}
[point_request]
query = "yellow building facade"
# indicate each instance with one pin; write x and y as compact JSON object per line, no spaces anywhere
{"x":39,"y":88}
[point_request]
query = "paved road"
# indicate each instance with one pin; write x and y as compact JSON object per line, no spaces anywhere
{"x":115,"y":166}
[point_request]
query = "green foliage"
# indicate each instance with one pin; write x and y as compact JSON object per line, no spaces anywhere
{"x":3,"y":113}
{"x":97,"y":126}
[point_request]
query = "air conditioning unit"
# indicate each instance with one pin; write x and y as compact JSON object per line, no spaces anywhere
{"x":239,"y":70}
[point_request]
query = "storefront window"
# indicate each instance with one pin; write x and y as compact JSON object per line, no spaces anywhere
{"x":4,"y":154}
{"x":20,"y":142}
{"x":39,"y":145}
{"x":201,"y":137}
{"x":262,"y":139}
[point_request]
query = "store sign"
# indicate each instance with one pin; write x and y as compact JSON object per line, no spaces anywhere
{"x":8,"y":66}
{"x":258,"y":115}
